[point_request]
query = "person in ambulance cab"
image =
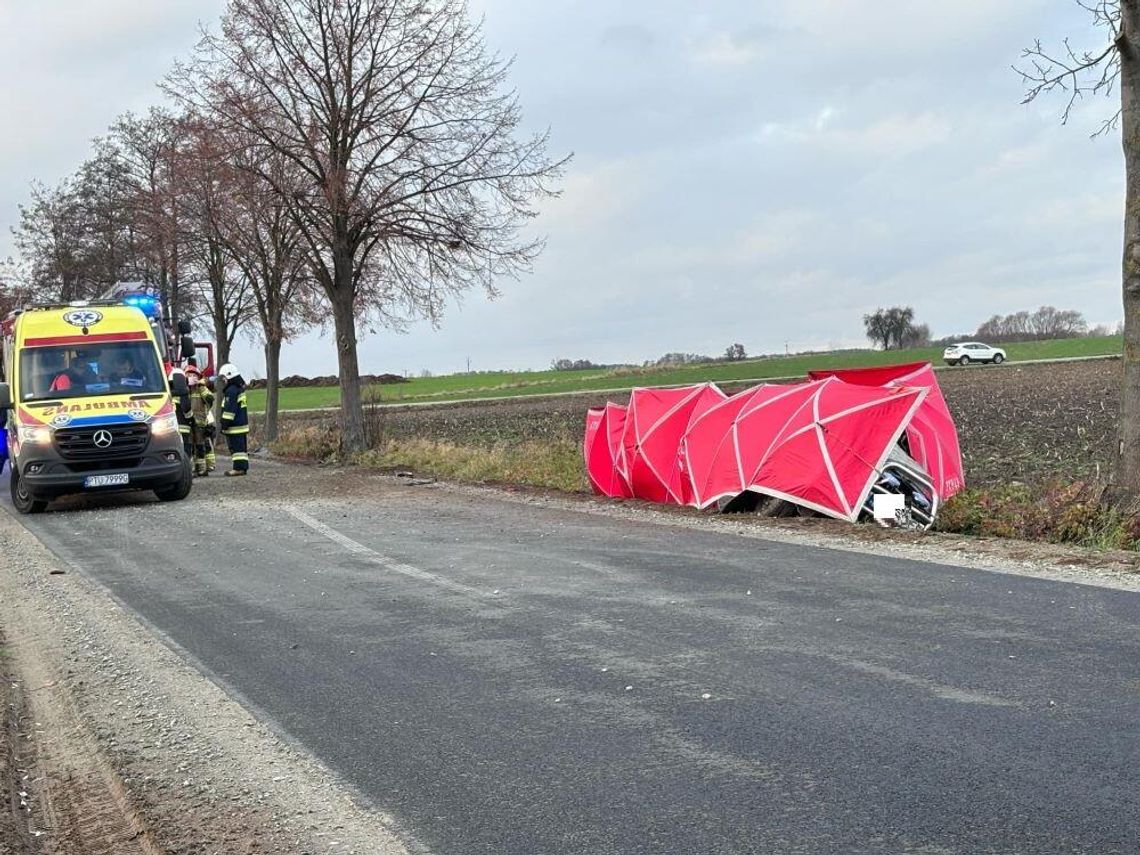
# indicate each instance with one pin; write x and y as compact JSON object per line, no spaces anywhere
{"x":77,"y":375}
{"x":126,"y":374}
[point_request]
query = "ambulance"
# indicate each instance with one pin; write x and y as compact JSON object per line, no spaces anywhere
{"x":87,"y":406}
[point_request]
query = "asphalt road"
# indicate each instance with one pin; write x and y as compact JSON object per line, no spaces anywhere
{"x":517,"y":680}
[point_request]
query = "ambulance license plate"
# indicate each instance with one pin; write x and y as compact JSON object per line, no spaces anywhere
{"x":116,"y":480}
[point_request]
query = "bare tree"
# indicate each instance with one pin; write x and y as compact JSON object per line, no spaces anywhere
{"x":1077,"y":74}
{"x":892,"y":327}
{"x":1017,"y":326}
{"x":915,"y":335}
{"x":265,"y":243}
{"x":416,"y":180}
{"x":208,"y":190}
{"x":735,"y":353}
{"x":148,"y":148}
{"x":78,"y":238}
{"x":50,"y":239}
{"x":115,"y":248}
{"x":15,"y":289}
{"x":878,"y":328}
{"x":1049,"y":322}
{"x":1046,"y":322}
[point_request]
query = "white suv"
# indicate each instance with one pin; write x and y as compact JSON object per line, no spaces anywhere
{"x":973,"y":351}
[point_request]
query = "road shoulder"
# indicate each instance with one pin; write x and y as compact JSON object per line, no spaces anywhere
{"x":1108,"y":569}
{"x":135,"y":750}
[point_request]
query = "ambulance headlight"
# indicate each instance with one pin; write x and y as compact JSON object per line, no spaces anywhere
{"x":164,"y":426}
{"x":35,"y":435}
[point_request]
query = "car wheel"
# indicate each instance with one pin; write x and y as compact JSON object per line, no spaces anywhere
{"x":23,"y":501}
{"x":180,"y":489}
{"x":963,"y":360}
{"x":998,"y":359}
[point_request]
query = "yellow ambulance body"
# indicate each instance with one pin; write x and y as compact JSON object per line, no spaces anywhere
{"x":88,"y":405}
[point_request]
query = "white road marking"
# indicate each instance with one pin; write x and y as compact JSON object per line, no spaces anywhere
{"x":382,"y":560}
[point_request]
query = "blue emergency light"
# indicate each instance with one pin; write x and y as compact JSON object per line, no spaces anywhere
{"x":149,"y":306}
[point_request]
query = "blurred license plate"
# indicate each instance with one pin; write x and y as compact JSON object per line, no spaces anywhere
{"x":115,"y":480}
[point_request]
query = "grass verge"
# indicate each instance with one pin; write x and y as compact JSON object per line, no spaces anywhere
{"x":1076,"y":514}
{"x":556,"y":464}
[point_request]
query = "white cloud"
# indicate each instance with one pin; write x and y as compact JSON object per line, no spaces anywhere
{"x":901,"y":29}
{"x":592,"y":198}
{"x":896,"y":134}
{"x":726,"y":49}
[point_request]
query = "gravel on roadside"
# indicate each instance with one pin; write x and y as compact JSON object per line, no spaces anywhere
{"x":159,"y":757}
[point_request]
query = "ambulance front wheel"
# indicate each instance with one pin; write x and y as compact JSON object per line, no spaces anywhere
{"x":21,"y":498}
{"x":180,"y":489}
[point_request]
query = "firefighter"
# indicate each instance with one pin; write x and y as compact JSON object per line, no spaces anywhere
{"x":201,"y":403}
{"x":211,"y":426}
{"x":235,"y":418}
{"x":180,"y":392}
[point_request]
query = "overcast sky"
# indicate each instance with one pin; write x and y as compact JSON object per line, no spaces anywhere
{"x":754,"y":171}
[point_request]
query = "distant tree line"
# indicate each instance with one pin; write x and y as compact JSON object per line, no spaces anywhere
{"x":575,"y":365}
{"x":1045,"y":323}
{"x":894,"y":328}
{"x":733,"y":353}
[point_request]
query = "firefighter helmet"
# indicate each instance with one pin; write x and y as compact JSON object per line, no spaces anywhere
{"x":228,"y":371}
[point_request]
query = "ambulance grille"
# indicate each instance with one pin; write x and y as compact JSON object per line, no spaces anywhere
{"x":79,"y":443}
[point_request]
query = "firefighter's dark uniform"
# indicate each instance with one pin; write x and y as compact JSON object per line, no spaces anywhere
{"x":235,"y":424}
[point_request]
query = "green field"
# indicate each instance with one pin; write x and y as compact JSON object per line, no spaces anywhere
{"x":458,"y":387}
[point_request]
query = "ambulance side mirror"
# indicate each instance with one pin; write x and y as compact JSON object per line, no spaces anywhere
{"x":179,"y":386}
{"x":184,"y":328}
{"x":188,"y":349}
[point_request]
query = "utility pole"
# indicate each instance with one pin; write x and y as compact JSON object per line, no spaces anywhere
{"x":468,"y":364}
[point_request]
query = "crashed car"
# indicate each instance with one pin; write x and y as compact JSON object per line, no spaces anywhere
{"x":851,"y":444}
{"x":903,"y":479}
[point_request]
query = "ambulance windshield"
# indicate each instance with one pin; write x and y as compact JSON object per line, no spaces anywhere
{"x":110,"y":368}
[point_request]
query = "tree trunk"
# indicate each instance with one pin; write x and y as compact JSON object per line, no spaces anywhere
{"x":272,"y":385}
{"x":221,"y":336}
{"x":344,"y":321}
{"x":1128,"y":463}
{"x":216,"y":274}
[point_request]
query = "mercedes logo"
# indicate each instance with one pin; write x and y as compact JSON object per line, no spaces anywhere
{"x":103,"y":439}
